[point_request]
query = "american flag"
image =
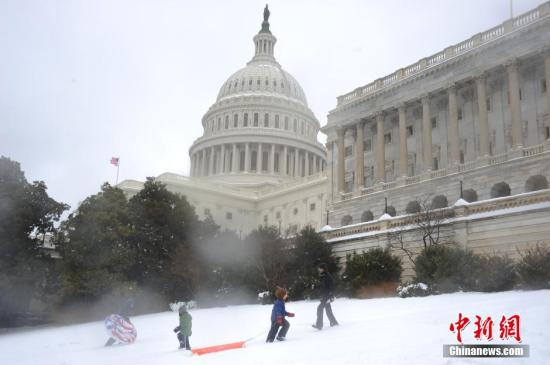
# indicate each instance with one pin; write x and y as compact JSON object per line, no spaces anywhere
{"x":114,"y":161}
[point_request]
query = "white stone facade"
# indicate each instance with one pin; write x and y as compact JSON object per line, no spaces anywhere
{"x":258,"y":161}
{"x":476,"y":112}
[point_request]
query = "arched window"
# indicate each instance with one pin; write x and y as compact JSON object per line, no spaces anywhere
{"x":245,"y":120}
{"x":470,"y":195}
{"x":439,"y":201}
{"x":266,"y":120}
{"x":256,"y":118}
{"x":295,"y":125}
{"x":367,"y":216}
{"x":235,"y":120}
{"x":536,"y":182}
{"x":286,"y":123}
{"x":276,"y":120}
{"x":413,"y":207}
{"x":226,"y":121}
{"x":346,"y":220}
{"x":500,"y":189}
{"x":219,"y":123}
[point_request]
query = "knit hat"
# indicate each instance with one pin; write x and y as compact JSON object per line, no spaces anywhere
{"x":323,"y":266}
{"x":182,"y":309}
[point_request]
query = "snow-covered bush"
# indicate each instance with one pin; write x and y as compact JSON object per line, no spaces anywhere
{"x":413,"y":290}
{"x":265,"y":297}
{"x":174,"y":307}
{"x":534,"y":268}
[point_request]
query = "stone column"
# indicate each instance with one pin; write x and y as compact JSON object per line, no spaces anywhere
{"x":211,"y":162}
{"x":221,"y":169}
{"x":193,"y":163}
{"x":341,"y":160}
{"x":359,"y":156}
{"x":259,"y":159}
{"x":483,"y":118}
{"x":380,"y":148}
{"x":547,"y":78}
{"x":235,"y":161}
{"x":296,"y":162}
{"x":306,"y":164}
{"x":247,"y":157}
{"x":452,"y":128}
{"x":284,"y":169}
{"x":426,"y":134}
{"x":515,"y":105}
{"x":272,"y":160}
{"x":403,"y":154}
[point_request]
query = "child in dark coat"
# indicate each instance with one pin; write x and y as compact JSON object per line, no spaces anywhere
{"x":278,"y":314}
{"x":184,"y":329}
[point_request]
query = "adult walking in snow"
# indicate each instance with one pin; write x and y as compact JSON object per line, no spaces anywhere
{"x":326,"y":287}
{"x":278,"y":314}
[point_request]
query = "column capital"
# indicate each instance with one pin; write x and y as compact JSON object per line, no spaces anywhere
{"x":451,"y":87}
{"x":401,"y":105}
{"x":425,"y":98}
{"x":512,"y":64}
{"x":340,"y":131}
{"x":481,"y":76}
{"x":379,"y":115}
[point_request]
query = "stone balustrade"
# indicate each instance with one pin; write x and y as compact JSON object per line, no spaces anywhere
{"x":461,"y":48}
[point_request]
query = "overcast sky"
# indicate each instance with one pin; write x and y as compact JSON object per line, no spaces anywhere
{"x":82,"y":81}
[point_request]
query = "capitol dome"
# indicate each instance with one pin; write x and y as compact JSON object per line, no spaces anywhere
{"x":260,"y":130}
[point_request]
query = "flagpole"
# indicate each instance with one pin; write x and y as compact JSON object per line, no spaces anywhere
{"x":117,"y":167}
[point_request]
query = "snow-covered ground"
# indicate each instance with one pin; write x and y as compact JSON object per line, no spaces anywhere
{"x":376,"y":331}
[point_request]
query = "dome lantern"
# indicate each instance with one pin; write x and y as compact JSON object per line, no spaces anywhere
{"x":264,"y":42}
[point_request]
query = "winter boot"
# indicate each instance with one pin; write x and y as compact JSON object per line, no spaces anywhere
{"x":280,"y":338}
{"x":316,"y":327}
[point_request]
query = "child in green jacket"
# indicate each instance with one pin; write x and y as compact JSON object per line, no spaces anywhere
{"x":184,"y":329}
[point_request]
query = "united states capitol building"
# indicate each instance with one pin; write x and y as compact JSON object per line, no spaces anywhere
{"x":469,"y":124}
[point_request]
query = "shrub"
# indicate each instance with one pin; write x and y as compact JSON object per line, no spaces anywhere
{"x":495,"y":273}
{"x":413,"y":207}
{"x":374,"y":267}
{"x":534,"y":268}
{"x":439,"y":201}
{"x":500,"y":189}
{"x":447,"y":268}
{"x":367,"y":216}
{"x":470,"y":195}
{"x":413,"y":290}
{"x":391,"y":210}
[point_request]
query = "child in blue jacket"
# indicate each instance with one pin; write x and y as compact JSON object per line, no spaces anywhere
{"x":278,"y":317}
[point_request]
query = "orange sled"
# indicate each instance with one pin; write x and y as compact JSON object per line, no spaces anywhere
{"x":228,"y":346}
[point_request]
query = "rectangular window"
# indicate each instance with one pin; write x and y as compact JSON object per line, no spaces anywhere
{"x":312,"y":207}
{"x":236,"y":120}
{"x":226,"y":121}
{"x":295,"y":126}
{"x":219,"y":123}
{"x":265,"y":159}
{"x":241,"y":161}
{"x":436,"y":164}
{"x":459,"y":113}
{"x":410,"y":131}
{"x":434,"y":122}
{"x":387,"y":138}
{"x":489,"y":104}
{"x":245,"y":120}
{"x":546,"y":132}
{"x":368,"y":144}
{"x":278,"y":215}
{"x":302,"y":127}
{"x":276,"y":162}
{"x":266,"y":120}
{"x":286,"y":123}
{"x":462,"y":157}
{"x":256,"y":118}
{"x":543,"y":86}
{"x":253,"y":160}
{"x":348,"y":151}
{"x":277,"y":121}
{"x":228,"y":215}
{"x":520,"y":94}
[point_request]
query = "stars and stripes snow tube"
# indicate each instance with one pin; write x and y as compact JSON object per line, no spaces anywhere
{"x":120,"y":329}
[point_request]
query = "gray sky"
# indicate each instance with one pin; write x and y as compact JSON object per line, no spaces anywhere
{"x":82,"y":81}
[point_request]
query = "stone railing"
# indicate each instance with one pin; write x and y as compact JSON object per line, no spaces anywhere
{"x":490,"y":35}
{"x":445,"y":215}
{"x":460,"y":168}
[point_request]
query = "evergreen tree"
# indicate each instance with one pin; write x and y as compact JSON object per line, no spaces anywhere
{"x":309,"y":249}
{"x":163,"y":225}
{"x":26,"y":212}
{"x":94,"y":243}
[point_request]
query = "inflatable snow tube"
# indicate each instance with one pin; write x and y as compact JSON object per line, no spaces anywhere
{"x":120,"y":329}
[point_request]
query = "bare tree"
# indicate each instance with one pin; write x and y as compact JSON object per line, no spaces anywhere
{"x":426,"y":222}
